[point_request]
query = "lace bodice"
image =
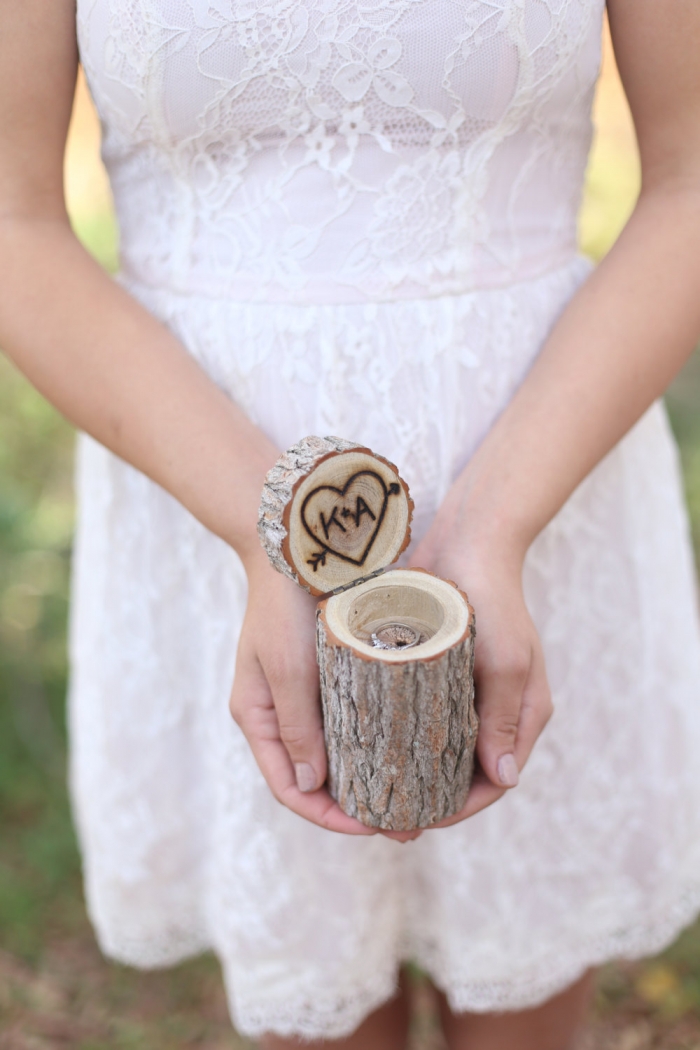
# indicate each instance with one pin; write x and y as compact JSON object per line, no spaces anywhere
{"x":339,"y":150}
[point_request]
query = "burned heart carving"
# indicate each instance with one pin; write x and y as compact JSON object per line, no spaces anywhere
{"x":345,"y":522}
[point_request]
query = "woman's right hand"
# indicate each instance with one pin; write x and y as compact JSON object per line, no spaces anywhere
{"x":275,"y":698}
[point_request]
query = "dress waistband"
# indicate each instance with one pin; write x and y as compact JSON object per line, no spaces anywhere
{"x":317,"y":290}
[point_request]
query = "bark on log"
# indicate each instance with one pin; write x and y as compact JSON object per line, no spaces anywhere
{"x":400,"y":727}
{"x":280,"y":484}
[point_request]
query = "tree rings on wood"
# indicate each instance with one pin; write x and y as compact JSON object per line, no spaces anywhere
{"x":332,"y":513}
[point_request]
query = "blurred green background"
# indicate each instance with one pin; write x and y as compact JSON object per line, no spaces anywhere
{"x":55,"y":990}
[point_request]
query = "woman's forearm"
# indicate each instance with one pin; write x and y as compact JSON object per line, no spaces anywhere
{"x":614,"y":351}
{"x":117,"y":373}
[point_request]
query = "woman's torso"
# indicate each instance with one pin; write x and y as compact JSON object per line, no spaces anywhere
{"x":330,"y":151}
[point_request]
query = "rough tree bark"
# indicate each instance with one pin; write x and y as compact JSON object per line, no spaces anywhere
{"x":400,"y":736}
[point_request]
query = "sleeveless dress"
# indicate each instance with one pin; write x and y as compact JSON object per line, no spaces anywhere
{"x":359,"y":216}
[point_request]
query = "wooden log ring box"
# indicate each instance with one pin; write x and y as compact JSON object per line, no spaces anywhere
{"x":395,"y":647}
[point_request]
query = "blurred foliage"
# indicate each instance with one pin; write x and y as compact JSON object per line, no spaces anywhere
{"x":41,"y":911}
{"x":38,"y":862}
{"x":39,"y":865}
{"x":99,"y":233}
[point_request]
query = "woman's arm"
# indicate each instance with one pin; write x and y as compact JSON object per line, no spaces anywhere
{"x":117,"y":373}
{"x":613,"y":352}
{"x":94,"y":352}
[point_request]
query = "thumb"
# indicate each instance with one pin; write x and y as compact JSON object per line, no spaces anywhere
{"x":295,"y":691}
{"x":499,"y":691}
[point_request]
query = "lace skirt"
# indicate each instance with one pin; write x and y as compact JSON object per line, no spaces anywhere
{"x":596,"y":854}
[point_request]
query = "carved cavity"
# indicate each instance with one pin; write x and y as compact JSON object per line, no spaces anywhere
{"x":376,"y":611}
{"x":432,"y":613}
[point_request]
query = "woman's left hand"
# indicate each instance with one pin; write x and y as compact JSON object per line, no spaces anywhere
{"x":512,"y":693}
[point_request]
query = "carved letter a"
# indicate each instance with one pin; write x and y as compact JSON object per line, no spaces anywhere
{"x":362,"y":508}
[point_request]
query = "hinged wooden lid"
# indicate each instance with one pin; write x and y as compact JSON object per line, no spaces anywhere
{"x":332,"y":513}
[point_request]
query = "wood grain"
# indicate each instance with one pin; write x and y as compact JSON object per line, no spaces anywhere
{"x":333,"y":512}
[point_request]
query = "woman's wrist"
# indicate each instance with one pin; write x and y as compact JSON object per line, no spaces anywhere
{"x":256,"y":564}
{"x":484,"y":527}
{"x":240,"y":509}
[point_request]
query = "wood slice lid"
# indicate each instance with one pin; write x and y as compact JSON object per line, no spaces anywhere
{"x":332,"y":513}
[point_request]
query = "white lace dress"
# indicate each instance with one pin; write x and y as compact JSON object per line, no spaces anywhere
{"x":359,"y":216}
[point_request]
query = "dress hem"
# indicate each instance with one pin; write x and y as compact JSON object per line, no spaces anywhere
{"x":338,"y":1017}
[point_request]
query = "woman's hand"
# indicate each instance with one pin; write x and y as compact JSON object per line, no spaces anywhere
{"x":275,"y":699}
{"x":512,"y":694}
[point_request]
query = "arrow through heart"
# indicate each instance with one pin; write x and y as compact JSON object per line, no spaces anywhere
{"x":345,"y":522}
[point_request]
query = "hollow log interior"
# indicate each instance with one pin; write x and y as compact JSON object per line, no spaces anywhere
{"x":404,"y":604}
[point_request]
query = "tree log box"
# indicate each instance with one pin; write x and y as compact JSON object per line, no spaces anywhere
{"x":400,"y":723}
{"x":395,"y":648}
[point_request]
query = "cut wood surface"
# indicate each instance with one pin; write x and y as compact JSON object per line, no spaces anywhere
{"x":333,"y":512}
{"x":400,"y":723}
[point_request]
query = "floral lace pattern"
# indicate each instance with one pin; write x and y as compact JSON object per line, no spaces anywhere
{"x":342,"y":151}
{"x":359,"y":217}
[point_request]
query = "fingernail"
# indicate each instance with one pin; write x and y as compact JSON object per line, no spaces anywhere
{"x":306,"y":776}
{"x":508,"y":771}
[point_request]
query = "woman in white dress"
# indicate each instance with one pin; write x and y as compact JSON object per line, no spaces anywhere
{"x":360,"y":219}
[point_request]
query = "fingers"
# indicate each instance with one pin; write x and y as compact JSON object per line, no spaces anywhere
{"x":275,"y":701}
{"x":500,"y":680}
{"x":403,"y":836}
{"x":535,"y":710}
{"x":253,"y":709}
{"x":280,"y":634}
{"x":536,"y":707}
{"x":514,"y":703}
{"x":481,"y":795}
{"x":293,"y":680}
